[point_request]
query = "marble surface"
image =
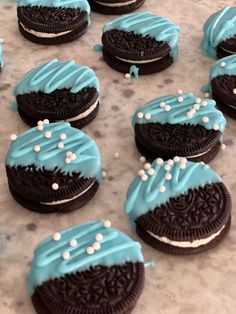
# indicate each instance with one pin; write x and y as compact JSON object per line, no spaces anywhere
{"x":176,"y":285}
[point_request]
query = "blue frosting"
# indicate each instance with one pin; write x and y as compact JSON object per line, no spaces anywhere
{"x":1,"y":53}
{"x":87,"y":161}
{"x":179,"y":111}
{"x":116,"y":248}
{"x":73,"y":4}
{"x":56,"y":74}
{"x":143,"y":196}
{"x":148,"y":24}
{"x":218,"y":28}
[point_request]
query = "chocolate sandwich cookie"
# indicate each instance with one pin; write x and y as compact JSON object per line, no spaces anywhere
{"x":88,"y":268}
{"x":51,"y":22}
{"x":222,"y":85}
{"x":53,"y":168}
{"x":144,"y":40}
{"x":220,"y":33}
{"x":1,"y":53}
{"x":178,"y":206}
{"x":115,"y":6}
{"x":179,"y":125}
{"x":58,"y":90}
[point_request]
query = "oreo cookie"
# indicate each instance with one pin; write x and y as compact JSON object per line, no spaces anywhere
{"x":53,"y":168}
{"x":1,"y":57}
{"x":58,"y":90}
{"x":179,"y":207}
{"x":179,"y":125}
{"x":115,"y":6}
{"x":220,"y":33}
{"x":51,"y":22}
{"x":144,"y":40}
{"x":88,"y":268}
{"x":222,"y":85}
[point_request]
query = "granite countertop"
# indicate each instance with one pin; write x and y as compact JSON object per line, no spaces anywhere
{"x":176,"y":285}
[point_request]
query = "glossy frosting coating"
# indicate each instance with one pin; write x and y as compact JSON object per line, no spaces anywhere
{"x":56,"y":74}
{"x":143,"y":196}
{"x":73,"y":4}
{"x":87,"y":161}
{"x":116,"y":248}
{"x":219,"y":27}
{"x":180,"y":105}
{"x":148,"y":24}
{"x":1,"y":52}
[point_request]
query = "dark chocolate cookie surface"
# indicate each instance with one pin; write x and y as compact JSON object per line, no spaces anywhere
{"x":115,"y":6}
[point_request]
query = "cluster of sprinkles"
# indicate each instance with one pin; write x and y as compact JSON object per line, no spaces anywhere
{"x":90,"y":250}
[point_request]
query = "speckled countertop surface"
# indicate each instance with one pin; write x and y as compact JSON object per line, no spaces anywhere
{"x":176,"y":285}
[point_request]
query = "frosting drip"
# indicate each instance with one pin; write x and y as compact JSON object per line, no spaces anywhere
{"x":219,"y":27}
{"x":164,"y":180}
{"x":35,"y":147}
{"x":148,"y":24}
{"x":72,"y":250}
{"x":56,"y":74}
{"x":181,"y":109}
{"x":73,"y":4}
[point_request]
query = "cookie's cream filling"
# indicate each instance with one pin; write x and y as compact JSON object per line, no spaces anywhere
{"x":68,"y":199}
{"x":198,"y":155}
{"x":85,"y":113}
{"x":140,"y":61}
{"x":44,"y":35}
{"x":187,"y":244}
{"x":231,"y":52}
{"x":120,"y":4}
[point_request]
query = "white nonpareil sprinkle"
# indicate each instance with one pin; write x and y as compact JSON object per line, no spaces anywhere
{"x":127,"y":75}
{"x":180,"y":99}
{"x":222,"y":64}
{"x":204,"y":103}
{"x":60,"y":145}
{"x":96,"y":246}
{"x":104,"y":174}
{"x":167,"y":108}
{"x":67,"y":160}
{"x":216,"y":127}
{"x":168,"y":176}
{"x":140,"y":115}
{"x":147,"y":166}
{"x":162,"y":188}
{"x":13,"y":137}
{"x":176,"y":159}
{"x":40,"y":122}
{"x":116,"y":155}
{"x":159,"y":161}
{"x":182,"y":165}
{"x":189,"y":114}
{"x":73,"y":156}
{"x":56,"y":236}
{"x":142,"y":159}
{"x":66,"y":255}
{"x":99,"y":237}
{"x":63,"y":136}
{"x":45,"y":121}
{"x":141,"y":172}
{"x":180,"y":92}
{"x":73,"y":243}
{"x":162,"y":104}
{"x":40,"y":127}
{"x":223,"y":146}
{"x":107,"y":224}
{"x":144,"y":177}
{"x":170,"y":162}
{"x":196,"y":106}
{"x":167,"y":167}
{"x":205,"y":119}
{"x":148,"y":116}
{"x":68,"y":154}
{"x":55,"y":186}
{"x":48,"y":134}
{"x":90,"y":250}
{"x":37,"y":148}
{"x":234,"y":91}
{"x":198,"y":100}
{"x":151,"y":171}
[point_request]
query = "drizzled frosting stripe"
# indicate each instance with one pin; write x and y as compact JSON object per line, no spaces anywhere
{"x":50,"y":260}
{"x":219,"y":27}
{"x":181,"y":109}
{"x":148,"y":24}
{"x":72,"y":4}
{"x":24,"y":152}
{"x":54,"y":75}
{"x":166,"y":180}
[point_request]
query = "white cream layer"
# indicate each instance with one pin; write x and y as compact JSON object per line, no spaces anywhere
{"x":120,"y":4}
{"x":85,"y":113}
{"x":44,"y":35}
{"x":187,"y":244}
{"x":68,"y":199}
{"x":199,"y":154}
{"x":231,"y":52}
{"x":139,"y":61}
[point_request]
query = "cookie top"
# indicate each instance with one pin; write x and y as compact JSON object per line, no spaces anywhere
{"x":56,"y":74}
{"x":51,"y":145}
{"x":1,"y":58}
{"x":161,"y":181}
{"x":181,"y":109}
{"x":148,"y":24}
{"x":218,"y":28}
{"x":79,"y":248}
{"x":72,"y":4}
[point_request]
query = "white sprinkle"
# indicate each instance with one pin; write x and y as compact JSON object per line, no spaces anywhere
{"x":144,"y":177}
{"x":73,"y":156}
{"x":117,"y":155}
{"x":73,"y":243}
{"x":223,"y":146}
{"x":196,"y":106}
{"x":162,"y":188}
{"x":63,"y":136}
{"x":142,"y":159}
{"x":159,"y":161}
{"x":180,"y":92}
{"x":140,"y":115}
{"x":147,"y":166}
{"x":13,"y":137}
{"x":216,"y":127}
{"x":151,"y":171}
{"x":104,"y":174}
{"x":90,"y":250}
{"x":107,"y":224}
{"x":148,"y":116}
{"x":198,"y":100}
{"x":182,"y":165}
{"x":60,"y":145}
{"x":66,"y":255}
{"x":167,"y":108}
{"x":67,"y":160}
{"x":180,"y":99}
{"x":37,"y":148}
{"x":202,"y":163}
{"x":68,"y":154}
{"x":193,"y":111}
{"x":40,"y":122}
{"x":176,"y":159}
{"x":205,"y":119}
{"x":184,"y":160}
{"x":45,"y":121}
{"x":204,"y":103}
{"x":40,"y":127}
{"x":168,"y":176}
{"x":162,"y":104}
{"x":127,"y":75}
{"x":56,"y":236}
{"x":55,"y":186}
{"x":48,"y":134}
{"x":170,"y":162}
{"x":222,"y":64}
{"x":167,"y":167}
{"x":96,"y":246}
{"x":206,"y":95}
{"x":141,"y":172}
{"x":189,"y":114}
{"x":234,"y":91}
{"x":99,"y":237}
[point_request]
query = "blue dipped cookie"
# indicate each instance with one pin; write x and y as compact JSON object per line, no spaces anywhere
{"x":51,"y":22}
{"x":142,"y":40}
{"x":58,"y":91}
{"x":178,"y":206}
{"x":53,"y":168}
{"x":88,"y":268}
{"x":179,"y":125}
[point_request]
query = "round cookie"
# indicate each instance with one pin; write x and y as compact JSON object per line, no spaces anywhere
{"x":88,"y":268}
{"x":115,"y":6}
{"x":220,"y":33}
{"x":1,"y":53}
{"x":179,"y":207}
{"x":51,"y":22}
{"x":53,"y":168}
{"x":144,"y":40}
{"x":58,"y":90}
{"x":179,"y":125}
{"x":222,"y":85}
